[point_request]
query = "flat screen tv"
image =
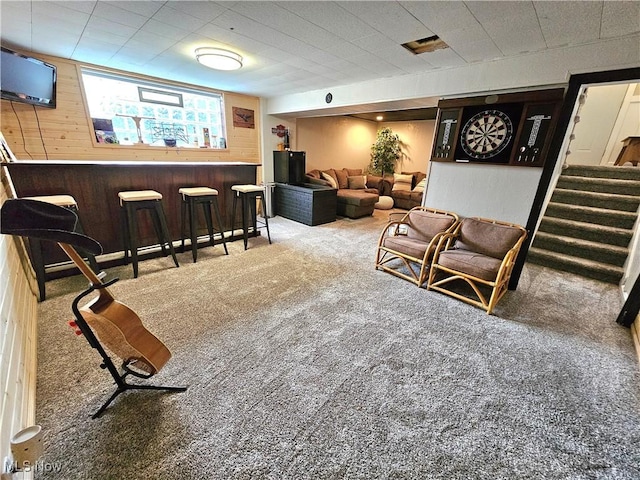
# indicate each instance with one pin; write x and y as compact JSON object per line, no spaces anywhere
{"x":26,"y":79}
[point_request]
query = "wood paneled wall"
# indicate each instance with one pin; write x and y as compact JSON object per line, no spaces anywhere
{"x":18,"y":337}
{"x":65,"y":133}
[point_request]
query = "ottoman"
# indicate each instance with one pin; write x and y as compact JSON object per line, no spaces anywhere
{"x":384,"y":203}
{"x":356,"y":203}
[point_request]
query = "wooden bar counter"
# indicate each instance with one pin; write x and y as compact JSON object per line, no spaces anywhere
{"x":95,"y":186}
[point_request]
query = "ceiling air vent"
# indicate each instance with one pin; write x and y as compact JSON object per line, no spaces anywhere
{"x":423,"y":45}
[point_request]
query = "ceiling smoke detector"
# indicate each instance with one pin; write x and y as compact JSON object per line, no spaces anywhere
{"x":429,"y":44}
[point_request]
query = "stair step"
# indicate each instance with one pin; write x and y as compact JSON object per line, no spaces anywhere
{"x":603,"y":171}
{"x":579,"y":266}
{"x":609,"y":254}
{"x":601,"y":216}
{"x":627,"y":203}
{"x":586,"y":231}
{"x":602,"y":185}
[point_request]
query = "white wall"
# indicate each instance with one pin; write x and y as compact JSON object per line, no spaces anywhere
{"x":471,"y":190}
{"x":336,"y":142}
{"x":417,"y":140}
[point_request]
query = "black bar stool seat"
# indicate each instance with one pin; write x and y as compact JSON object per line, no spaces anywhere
{"x":130,"y":203}
{"x":248,"y":195}
{"x":66,"y":201}
{"x":207,"y":197}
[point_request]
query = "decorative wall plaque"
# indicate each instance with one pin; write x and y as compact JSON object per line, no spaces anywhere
{"x":243,"y":117}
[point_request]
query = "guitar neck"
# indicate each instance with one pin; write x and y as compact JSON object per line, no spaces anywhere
{"x":81,"y":264}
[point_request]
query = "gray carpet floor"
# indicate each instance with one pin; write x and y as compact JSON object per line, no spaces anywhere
{"x":304,"y":362}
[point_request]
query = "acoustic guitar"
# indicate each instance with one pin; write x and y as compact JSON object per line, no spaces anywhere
{"x":118,"y":327}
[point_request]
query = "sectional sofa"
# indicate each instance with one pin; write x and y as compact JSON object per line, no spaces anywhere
{"x":358,"y":192}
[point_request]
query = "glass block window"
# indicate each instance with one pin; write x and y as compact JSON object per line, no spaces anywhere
{"x":130,"y":111}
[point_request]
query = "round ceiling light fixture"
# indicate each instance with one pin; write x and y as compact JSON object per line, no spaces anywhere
{"x":218,"y":58}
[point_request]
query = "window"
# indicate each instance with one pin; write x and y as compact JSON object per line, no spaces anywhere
{"x":130,"y":111}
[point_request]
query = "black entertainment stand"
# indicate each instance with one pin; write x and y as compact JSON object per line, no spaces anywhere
{"x":306,"y":203}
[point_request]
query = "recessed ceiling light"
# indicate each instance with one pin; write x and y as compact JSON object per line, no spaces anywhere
{"x":379,"y":117}
{"x":218,"y":58}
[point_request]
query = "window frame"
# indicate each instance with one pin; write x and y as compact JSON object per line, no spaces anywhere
{"x":170,"y":87}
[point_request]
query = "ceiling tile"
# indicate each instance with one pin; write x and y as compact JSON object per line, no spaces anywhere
{"x":52,"y":12}
{"x":389,"y":17}
{"x":205,"y":11}
{"x":164,"y":30}
{"x":18,"y":32}
{"x":145,"y":8}
{"x":171,"y":16}
{"x":79,"y":5}
{"x":620,"y":18}
{"x":513,"y":26}
{"x":113,"y":13}
{"x":440,"y":17}
{"x":560,"y":25}
{"x":332,"y":17}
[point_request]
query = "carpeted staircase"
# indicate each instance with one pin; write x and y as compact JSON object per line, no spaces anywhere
{"x":589,"y":222}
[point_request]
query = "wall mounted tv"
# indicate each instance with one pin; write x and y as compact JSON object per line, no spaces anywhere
{"x":26,"y":79}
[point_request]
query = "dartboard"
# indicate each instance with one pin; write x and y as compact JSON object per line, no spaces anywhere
{"x":486,"y":134}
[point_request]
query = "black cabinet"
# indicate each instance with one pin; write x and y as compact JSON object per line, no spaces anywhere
{"x":309,"y":204}
{"x":289,"y":167}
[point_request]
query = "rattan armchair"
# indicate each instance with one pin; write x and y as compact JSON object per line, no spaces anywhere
{"x":480,"y":252}
{"x":405,"y":247}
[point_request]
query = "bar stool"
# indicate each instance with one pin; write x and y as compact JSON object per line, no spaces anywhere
{"x":205,"y":196}
{"x":130,"y":203}
{"x":66,"y":201}
{"x":248,"y":195}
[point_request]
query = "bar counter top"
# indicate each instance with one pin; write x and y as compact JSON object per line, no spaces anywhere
{"x":131,"y":163}
{"x":95,"y":186}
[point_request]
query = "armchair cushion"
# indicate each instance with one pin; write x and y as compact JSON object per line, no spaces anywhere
{"x":491,"y":239}
{"x":406,"y":245}
{"x":424,"y":225}
{"x":471,"y":263}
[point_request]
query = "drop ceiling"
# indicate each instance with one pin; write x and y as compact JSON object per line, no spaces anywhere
{"x":292,"y":47}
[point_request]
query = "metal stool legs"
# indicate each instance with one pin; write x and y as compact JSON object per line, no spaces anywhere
{"x":130,"y":230}
{"x":188,"y":207}
{"x":248,"y":207}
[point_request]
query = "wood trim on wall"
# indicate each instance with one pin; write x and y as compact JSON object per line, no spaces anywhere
{"x":65,"y":133}
{"x":635,"y":334}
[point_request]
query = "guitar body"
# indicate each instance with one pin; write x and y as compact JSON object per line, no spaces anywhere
{"x":119,"y":328}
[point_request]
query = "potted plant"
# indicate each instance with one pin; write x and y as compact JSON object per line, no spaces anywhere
{"x":385,"y":152}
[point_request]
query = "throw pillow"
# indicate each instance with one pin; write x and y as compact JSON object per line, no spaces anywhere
{"x":420,"y":186}
{"x":402,"y":182}
{"x":329,"y":178}
{"x":342,"y":177}
{"x":357,"y":182}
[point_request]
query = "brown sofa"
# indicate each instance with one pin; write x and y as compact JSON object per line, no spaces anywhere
{"x":404,"y":193}
{"x":355,"y":197}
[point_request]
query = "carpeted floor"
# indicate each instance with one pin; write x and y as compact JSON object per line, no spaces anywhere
{"x":304,"y":362}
